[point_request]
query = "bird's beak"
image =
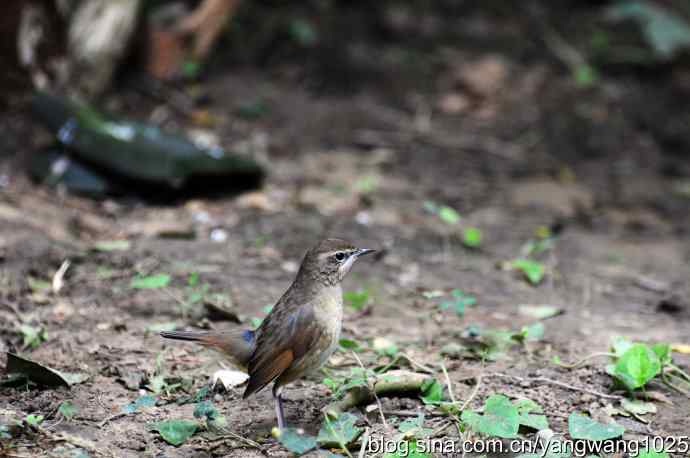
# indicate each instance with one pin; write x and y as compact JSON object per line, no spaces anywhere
{"x":364,"y":251}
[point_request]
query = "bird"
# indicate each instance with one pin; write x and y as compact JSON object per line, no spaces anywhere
{"x":301,"y":331}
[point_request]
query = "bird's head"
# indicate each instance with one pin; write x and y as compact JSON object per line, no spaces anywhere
{"x":330,"y":260}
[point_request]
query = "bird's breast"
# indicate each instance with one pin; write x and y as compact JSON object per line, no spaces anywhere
{"x":328,"y":312}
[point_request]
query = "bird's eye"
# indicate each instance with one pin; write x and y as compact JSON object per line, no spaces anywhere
{"x":340,"y":256}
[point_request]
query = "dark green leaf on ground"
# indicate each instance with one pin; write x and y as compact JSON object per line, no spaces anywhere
{"x":432,"y":392}
{"x":338,"y":432}
{"x":147,"y":400}
{"x":500,"y":418}
{"x":532,"y":270}
{"x":294,"y":440}
{"x":175,"y":432}
{"x":67,"y":409}
{"x":584,"y":427}
{"x":150,"y":281}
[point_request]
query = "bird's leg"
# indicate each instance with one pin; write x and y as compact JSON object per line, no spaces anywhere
{"x":277,"y":397}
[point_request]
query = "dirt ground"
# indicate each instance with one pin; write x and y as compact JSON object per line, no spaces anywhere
{"x":515,"y":146}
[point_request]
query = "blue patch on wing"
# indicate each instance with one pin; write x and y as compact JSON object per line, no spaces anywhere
{"x":248,"y":336}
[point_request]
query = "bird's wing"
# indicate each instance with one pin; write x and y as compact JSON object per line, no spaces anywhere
{"x":286,"y":336}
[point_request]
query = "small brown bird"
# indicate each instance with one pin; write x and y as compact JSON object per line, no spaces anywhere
{"x":302,"y":330}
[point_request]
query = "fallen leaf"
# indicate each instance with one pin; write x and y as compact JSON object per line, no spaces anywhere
{"x":150,"y":281}
{"x":539,"y":311}
{"x":638,"y":407}
{"x":40,"y":374}
{"x":229,"y":378}
{"x":338,"y":432}
{"x":294,"y":440}
{"x":681,"y":348}
{"x":583,"y":427}
{"x":112,"y":245}
{"x":175,"y":432}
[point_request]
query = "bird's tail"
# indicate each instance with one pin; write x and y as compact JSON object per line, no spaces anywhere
{"x":237,"y":345}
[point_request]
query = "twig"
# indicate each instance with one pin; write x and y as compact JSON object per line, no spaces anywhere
{"x":473,"y":394}
{"x":407,"y":357}
{"x":74,"y":440}
{"x":584,"y":360}
{"x":675,"y":369}
{"x":557,"y":383}
{"x":440,"y":429}
{"x":413,"y":413}
{"x":10,"y":306}
{"x":59,"y":277}
{"x":244,"y":440}
{"x":113,"y":417}
{"x":448,"y":382}
{"x":365,"y":441}
{"x":667,"y":382}
{"x":378,"y":401}
{"x":393,"y":382}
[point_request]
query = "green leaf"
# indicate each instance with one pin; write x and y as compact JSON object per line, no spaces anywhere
{"x":448,"y":215}
{"x":432,"y":392}
{"x":34,"y":420}
{"x":414,"y":427}
{"x":5,"y":432}
{"x":356,"y":299}
{"x":407,"y":449}
{"x":500,"y":418}
{"x":349,"y":344}
{"x":37,"y":285}
{"x":303,"y":32}
{"x":147,"y":400}
{"x":366,"y":184}
{"x":175,"y":432}
{"x":112,"y":245}
{"x":33,"y":336}
{"x":583,"y":427}
{"x":532,"y":332}
{"x":585,"y":75}
{"x":157,"y":383}
{"x":150,"y":281}
{"x":459,"y":300}
{"x":295,"y":441}
{"x":67,"y":409}
{"x":339,"y":432}
{"x":530,"y":414}
{"x":190,"y":69}
{"x":651,"y":453}
{"x":666,"y":32}
{"x":330,"y":383}
{"x":663,"y":352}
{"x":637,"y":366}
{"x":193,"y":279}
{"x":471,"y":237}
{"x":471,"y":419}
{"x":205,"y":409}
{"x":532,"y":270}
